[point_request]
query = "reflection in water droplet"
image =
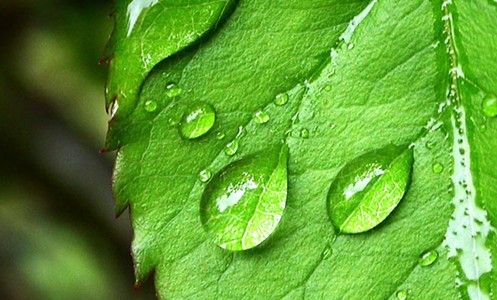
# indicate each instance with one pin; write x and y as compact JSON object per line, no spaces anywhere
{"x":437,"y":168}
{"x":134,"y":10}
{"x":231,"y":148}
{"x":490,"y":106}
{"x":401,"y":295}
{"x":261,"y":117}
{"x":172,"y":90}
{"x":243,"y":204}
{"x":205,"y":175}
{"x":197,"y":120}
{"x":114,"y":107}
{"x":150,"y":106}
{"x":428,"y":258}
{"x":369,"y":188}
{"x":281,"y":99}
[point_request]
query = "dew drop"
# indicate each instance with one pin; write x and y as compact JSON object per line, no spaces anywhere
{"x":489,"y":106}
{"x":428,"y":258}
{"x":437,"y":168}
{"x":231,"y":148}
{"x":304,"y":133}
{"x":281,"y":99}
{"x":430,"y":145}
{"x":368,"y":188}
{"x":205,"y":175}
{"x":150,"y":105}
{"x":261,"y":117}
{"x":327,"y":253}
{"x":172,"y":90}
{"x":172,"y":121}
{"x":327,"y":88}
{"x":243,"y":204}
{"x":197,"y":120}
{"x":401,"y":295}
{"x":220,"y":135}
{"x":350,"y":46}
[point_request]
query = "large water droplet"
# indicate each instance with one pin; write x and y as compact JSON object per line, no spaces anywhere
{"x":197,"y":120}
{"x":261,"y":117}
{"x":368,"y":188}
{"x":281,"y":99}
{"x":489,"y":106}
{"x":173,"y":90}
{"x":150,"y":106}
{"x":243,"y":204}
{"x":428,"y":258}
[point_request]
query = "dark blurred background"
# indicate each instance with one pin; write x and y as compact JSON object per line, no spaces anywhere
{"x":58,"y":235}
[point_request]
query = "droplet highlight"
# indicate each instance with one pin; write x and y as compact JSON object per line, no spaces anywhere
{"x":428,"y":258}
{"x":369,"y":188}
{"x":243,"y":204}
{"x":197,"y":120}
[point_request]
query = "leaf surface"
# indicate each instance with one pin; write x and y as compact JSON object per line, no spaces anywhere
{"x":359,"y":76}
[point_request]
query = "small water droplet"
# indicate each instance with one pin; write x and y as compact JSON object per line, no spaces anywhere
{"x":401,"y":295}
{"x":490,"y":106}
{"x":243,"y":204}
{"x":304,"y":133}
{"x":428,"y":258}
{"x":368,"y":188}
{"x":173,"y":90}
{"x":220,"y":135}
{"x":150,"y":105}
{"x":281,"y":99}
{"x":483,"y":127}
{"x":172,"y":122}
{"x":205,"y":175}
{"x":437,"y":168}
{"x":261,"y":117}
{"x":327,"y":253}
{"x":197,"y":120}
{"x":430,"y":145}
{"x":231,"y":148}
{"x":327,"y":88}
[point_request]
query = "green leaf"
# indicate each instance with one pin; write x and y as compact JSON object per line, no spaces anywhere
{"x":355,"y":77}
{"x":369,"y":188}
{"x":146,"y":32}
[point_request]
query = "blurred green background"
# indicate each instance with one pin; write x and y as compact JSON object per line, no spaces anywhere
{"x":58,"y":235}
